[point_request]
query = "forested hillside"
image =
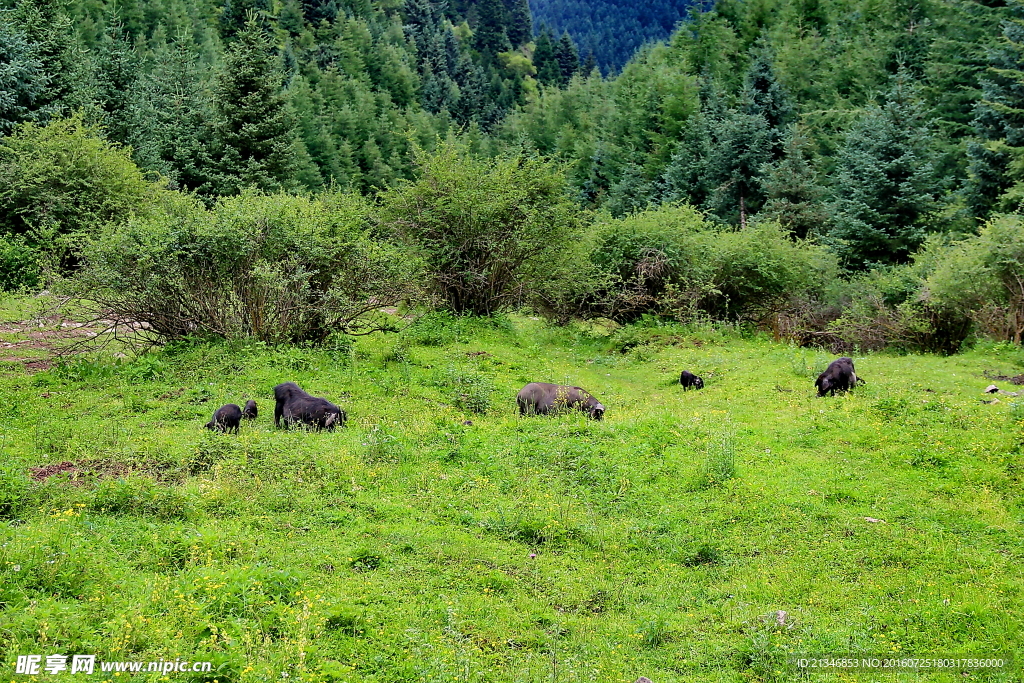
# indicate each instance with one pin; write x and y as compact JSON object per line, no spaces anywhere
{"x":612,"y":30}
{"x":883,"y":137}
{"x":342,"y":88}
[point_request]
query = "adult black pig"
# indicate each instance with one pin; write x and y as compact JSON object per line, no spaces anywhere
{"x":541,"y":398}
{"x":838,"y":376}
{"x":295,"y":406}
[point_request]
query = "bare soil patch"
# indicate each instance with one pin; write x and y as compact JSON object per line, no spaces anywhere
{"x":83,"y":471}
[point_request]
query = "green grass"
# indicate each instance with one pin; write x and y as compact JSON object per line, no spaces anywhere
{"x":661,"y":541}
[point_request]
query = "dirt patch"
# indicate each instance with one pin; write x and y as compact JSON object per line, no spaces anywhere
{"x":47,"y":334}
{"x":1016,"y":379}
{"x":91,"y":470}
{"x":44,"y":473}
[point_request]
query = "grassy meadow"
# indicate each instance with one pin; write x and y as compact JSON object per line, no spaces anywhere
{"x":690,"y":536}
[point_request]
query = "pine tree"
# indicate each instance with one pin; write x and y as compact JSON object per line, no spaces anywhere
{"x":174,"y":134}
{"x":886,"y":187}
{"x":437,"y":52}
{"x":236,"y":13}
{"x":255,"y":125}
{"x":718,"y":163}
{"x":316,"y":11}
{"x":742,"y":146}
{"x":549,"y":72}
{"x":589,"y":64}
{"x":794,"y":197}
{"x":686,"y":176}
{"x":23,"y":81}
{"x":291,"y":18}
{"x":318,"y":142}
{"x":633,"y":192}
{"x":49,"y":30}
{"x":764,"y":95}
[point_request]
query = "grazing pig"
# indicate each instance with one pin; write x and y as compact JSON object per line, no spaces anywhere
{"x":541,"y":398}
{"x":690,"y":380}
{"x":249,"y":412}
{"x":839,"y":376}
{"x":226,"y":419}
{"x":296,"y":406}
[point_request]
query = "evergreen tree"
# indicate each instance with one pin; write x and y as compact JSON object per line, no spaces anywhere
{"x":718,"y":163}
{"x":235,"y":15}
{"x":255,"y":125}
{"x":886,"y":188}
{"x":686,"y":177}
{"x":794,"y":196}
{"x":437,"y":53}
{"x":994,"y":181}
{"x":23,"y":81}
{"x":117,"y":72}
{"x":520,"y":22}
{"x":316,"y":11}
{"x":490,"y":36}
{"x":633,"y":192}
{"x":549,"y":71}
{"x":742,"y":146}
{"x":764,"y":95}
{"x":589,"y":64}
{"x":317,"y":140}
{"x":291,"y":18}
{"x":49,"y":30}
{"x":568,"y":59}
{"x":174,"y":134}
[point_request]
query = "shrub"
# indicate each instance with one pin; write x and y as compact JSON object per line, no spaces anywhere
{"x":652,"y":262}
{"x":759,"y":269}
{"x":19,"y":265}
{"x":886,"y":307}
{"x":275,"y":268}
{"x":61,"y":182}
{"x":982,"y":278}
{"x":495,"y":233}
{"x":671,"y":261}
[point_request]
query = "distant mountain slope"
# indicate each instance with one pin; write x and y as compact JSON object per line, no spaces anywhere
{"x":612,"y":29}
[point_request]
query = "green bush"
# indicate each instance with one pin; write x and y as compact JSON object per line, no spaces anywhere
{"x":671,"y":261}
{"x":982,"y":278}
{"x":61,"y":182}
{"x":495,"y":233}
{"x":19,"y":265}
{"x":274,"y":268}
{"x":887,"y":307}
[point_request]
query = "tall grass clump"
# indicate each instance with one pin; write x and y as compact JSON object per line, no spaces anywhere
{"x":718,"y":466}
